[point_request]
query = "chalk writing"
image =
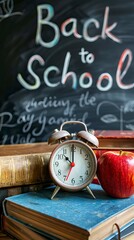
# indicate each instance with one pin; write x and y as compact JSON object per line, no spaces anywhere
{"x":43,"y":22}
{"x":85,"y":56}
{"x":67,"y":75}
{"x":6,"y":9}
{"x":110,"y":118}
{"x":62,"y":62}
{"x":34,"y":119}
{"x":50,"y":102}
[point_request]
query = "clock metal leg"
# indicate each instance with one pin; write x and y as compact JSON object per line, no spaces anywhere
{"x":90,"y":192}
{"x":56,"y":190}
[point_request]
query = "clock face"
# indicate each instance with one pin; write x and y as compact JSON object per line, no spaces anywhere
{"x":72,"y":165}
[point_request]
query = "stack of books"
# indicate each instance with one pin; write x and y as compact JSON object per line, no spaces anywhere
{"x":21,"y":173}
{"x":69,"y":216}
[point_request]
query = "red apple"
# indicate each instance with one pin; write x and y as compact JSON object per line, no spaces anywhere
{"x":98,"y":153}
{"x":115,"y":172}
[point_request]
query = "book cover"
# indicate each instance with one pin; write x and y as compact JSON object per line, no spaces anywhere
{"x":11,"y":191}
{"x":71,"y":215}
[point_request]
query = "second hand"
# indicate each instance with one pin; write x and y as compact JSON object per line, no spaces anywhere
{"x":72,"y":164}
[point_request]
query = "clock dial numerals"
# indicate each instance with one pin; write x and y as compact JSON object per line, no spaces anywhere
{"x":81,"y":179}
{"x":86,"y":173}
{"x":86,"y":157}
{"x":56,"y":163}
{"x":73,"y":164}
{"x":60,"y":156}
{"x":64,"y":151}
{"x":88,"y":164}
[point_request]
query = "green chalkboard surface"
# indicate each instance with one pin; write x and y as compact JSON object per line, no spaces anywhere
{"x":65,"y":60}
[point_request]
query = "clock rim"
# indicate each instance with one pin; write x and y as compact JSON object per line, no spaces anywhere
{"x":63,"y":185}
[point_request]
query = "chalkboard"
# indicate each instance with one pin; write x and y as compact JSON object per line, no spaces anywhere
{"x":65,"y":60}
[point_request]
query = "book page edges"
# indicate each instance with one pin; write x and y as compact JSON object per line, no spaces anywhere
{"x":107,"y":227}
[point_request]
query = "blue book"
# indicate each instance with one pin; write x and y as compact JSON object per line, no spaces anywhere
{"x":71,"y":216}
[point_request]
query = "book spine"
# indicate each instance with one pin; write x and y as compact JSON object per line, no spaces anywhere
{"x":21,"y":170}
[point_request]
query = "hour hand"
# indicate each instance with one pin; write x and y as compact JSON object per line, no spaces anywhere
{"x":66,"y":158}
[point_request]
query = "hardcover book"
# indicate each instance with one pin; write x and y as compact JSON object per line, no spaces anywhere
{"x":71,"y":216}
{"x":21,"y":231}
{"x":20,"y":170}
{"x":23,"y":173}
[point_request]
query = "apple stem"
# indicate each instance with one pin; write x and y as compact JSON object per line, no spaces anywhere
{"x":121,"y":152}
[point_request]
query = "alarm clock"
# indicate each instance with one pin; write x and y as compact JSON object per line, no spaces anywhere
{"x":73,"y":163}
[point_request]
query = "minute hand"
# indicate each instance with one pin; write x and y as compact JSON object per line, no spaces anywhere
{"x":72,"y":152}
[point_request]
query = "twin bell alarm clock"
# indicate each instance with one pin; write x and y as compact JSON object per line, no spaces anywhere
{"x":72,"y":163}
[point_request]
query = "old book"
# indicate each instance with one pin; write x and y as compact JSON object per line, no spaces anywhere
{"x":71,"y":216}
{"x":25,"y":169}
{"x":11,"y":191}
{"x":24,"y":149}
{"x":23,"y":173}
{"x":108,"y":139}
{"x":19,"y":230}
{"x":24,"y":164}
